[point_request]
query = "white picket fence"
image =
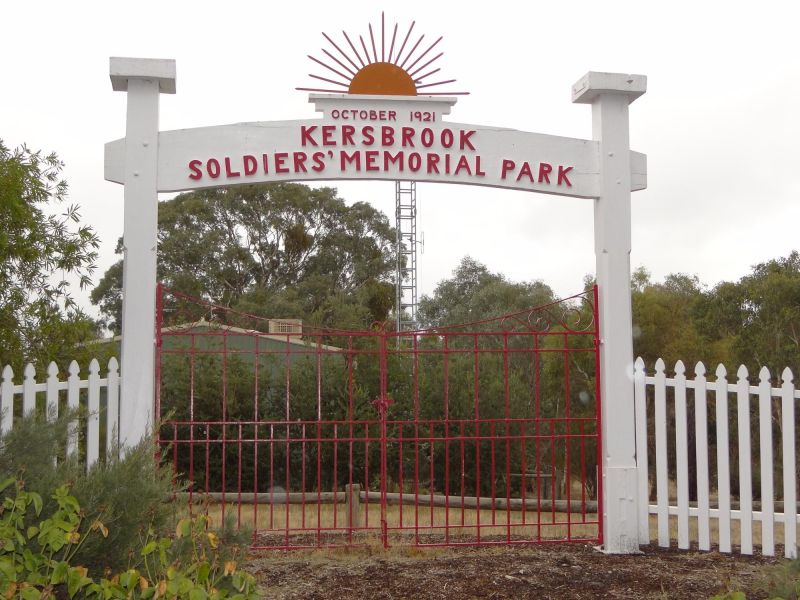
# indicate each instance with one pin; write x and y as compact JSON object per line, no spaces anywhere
{"x":660,"y":401}
{"x":100,"y":392}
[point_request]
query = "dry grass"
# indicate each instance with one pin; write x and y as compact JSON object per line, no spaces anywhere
{"x":434,"y":524}
{"x":422,"y":524}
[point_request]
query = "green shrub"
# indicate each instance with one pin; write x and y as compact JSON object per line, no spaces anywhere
{"x":27,"y":573}
{"x":126,"y":493}
{"x":130,"y":494}
{"x":40,"y":561}
{"x":197,"y":563}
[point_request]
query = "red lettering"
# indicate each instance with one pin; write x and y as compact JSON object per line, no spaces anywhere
{"x":447,"y":138}
{"x":478,"y":171}
{"x":525,"y":170}
{"x":562,"y":175}
{"x":212,"y":166}
{"x":544,"y":172}
{"x":345,"y":159}
{"x":265,"y":160}
{"x":464,"y":139}
{"x":327,"y":135}
{"x":228,"y":171}
{"x":347,"y":135}
{"x":414,"y":161}
{"x":508,"y":165}
{"x":194,"y":167}
{"x":433,"y":163}
{"x":250,"y":164}
{"x":280,"y":162}
{"x":427,"y":137}
{"x":392,"y":115}
{"x":371,"y":159}
{"x":408,"y":137}
{"x":366,"y":132}
{"x":463,"y":163}
{"x":300,"y":162}
{"x":389,"y":158}
{"x":319,"y":162}
{"x":306,"y":138}
{"x":387,"y":136}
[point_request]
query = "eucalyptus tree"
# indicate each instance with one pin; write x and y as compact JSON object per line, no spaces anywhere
{"x":277,"y":250}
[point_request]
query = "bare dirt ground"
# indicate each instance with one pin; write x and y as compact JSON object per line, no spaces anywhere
{"x":545,"y":571}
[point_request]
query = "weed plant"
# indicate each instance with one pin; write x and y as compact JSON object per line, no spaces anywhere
{"x":782,"y":581}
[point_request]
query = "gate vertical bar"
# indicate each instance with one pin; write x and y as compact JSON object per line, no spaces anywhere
{"x":383,"y":407}
{"x":610,"y":94}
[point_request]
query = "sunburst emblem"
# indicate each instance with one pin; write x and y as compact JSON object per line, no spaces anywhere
{"x":401,"y":73}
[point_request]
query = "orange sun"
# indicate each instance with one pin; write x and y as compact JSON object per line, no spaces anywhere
{"x":394,"y":74}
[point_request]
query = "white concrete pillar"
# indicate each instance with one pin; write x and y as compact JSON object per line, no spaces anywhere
{"x":143,"y":79}
{"x":610,"y":94}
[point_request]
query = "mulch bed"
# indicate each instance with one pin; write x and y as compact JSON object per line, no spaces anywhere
{"x":546,"y":571}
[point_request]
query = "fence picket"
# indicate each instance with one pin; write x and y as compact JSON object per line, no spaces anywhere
{"x":640,"y":410}
{"x":682,"y":455}
{"x":73,"y":396}
{"x":745,"y":458}
{"x":7,"y":400}
{"x":662,"y":481}
{"x":723,"y":460}
{"x":789,"y":465}
{"x":93,"y":416}
{"x":701,"y":455}
{"x":29,"y":390}
{"x":51,"y":397}
{"x":112,"y":409}
{"x":765,"y":439}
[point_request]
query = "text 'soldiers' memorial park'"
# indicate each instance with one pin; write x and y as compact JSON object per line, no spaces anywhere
{"x":346,"y":148}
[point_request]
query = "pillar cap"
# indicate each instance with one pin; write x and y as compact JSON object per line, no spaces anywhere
{"x":594,"y":83}
{"x":123,"y":69}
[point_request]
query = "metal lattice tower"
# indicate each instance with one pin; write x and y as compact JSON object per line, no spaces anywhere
{"x":406,"y":272}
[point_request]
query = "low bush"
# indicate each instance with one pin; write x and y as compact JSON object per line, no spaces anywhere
{"x":40,"y":561}
{"x":126,"y":492}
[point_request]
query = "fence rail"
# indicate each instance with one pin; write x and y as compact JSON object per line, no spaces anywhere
{"x":93,"y":435}
{"x":749,"y":425}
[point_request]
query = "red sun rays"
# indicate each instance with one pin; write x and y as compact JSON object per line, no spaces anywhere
{"x":356,"y":68}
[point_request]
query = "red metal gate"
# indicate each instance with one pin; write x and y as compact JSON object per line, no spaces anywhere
{"x":483,"y":433}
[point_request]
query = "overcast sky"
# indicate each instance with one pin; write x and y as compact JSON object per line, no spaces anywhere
{"x":719,"y":122}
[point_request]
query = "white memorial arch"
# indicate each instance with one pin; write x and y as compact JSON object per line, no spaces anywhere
{"x":390,"y":137}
